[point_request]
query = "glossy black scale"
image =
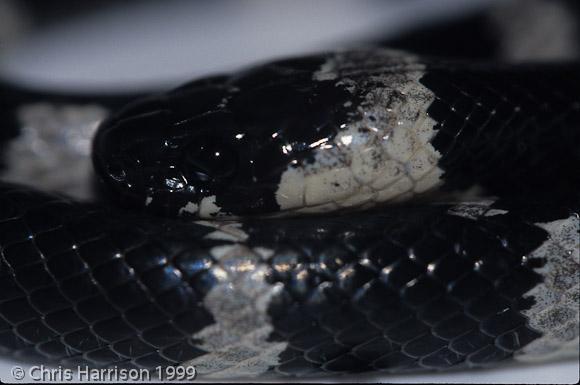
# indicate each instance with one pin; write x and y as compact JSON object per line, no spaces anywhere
{"x":395,"y":290}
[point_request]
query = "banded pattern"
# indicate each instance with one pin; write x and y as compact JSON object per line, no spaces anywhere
{"x":404,"y":288}
{"x":345,"y":130}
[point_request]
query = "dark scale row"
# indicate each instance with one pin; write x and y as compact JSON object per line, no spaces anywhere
{"x":449,"y":296}
{"x":428,"y":291}
{"x":74,"y":288}
{"x":409,"y":288}
{"x":501,"y":128}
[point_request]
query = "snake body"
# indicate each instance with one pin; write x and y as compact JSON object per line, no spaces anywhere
{"x":308,"y":216}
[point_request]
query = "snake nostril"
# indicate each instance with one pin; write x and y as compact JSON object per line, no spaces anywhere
{"x":209,"y":159}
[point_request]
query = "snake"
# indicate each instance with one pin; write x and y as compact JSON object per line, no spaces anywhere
{"x":352,"y":211}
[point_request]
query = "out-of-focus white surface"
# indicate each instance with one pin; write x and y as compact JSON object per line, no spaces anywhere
{"x":160,"y":43}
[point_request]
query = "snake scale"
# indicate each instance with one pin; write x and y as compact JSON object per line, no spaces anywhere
{"x":353,"y":211}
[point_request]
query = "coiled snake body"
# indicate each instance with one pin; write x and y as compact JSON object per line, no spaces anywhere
{"x":389,"y":270}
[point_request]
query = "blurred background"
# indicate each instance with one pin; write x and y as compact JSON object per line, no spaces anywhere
{"x":134,"y":45}
{"x":95,"y":46}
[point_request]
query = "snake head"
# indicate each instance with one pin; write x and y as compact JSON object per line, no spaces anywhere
{"x":283,"y":137}
{"x":212,"y":147}
{"x":168,"y":152}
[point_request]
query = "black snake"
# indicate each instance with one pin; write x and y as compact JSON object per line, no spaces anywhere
{"x":394,"y":269}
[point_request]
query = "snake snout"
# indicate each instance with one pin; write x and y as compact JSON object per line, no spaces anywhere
{"x":127,"y":145}
{"x":164,"y":154}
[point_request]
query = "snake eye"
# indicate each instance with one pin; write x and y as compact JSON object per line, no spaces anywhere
{"x":209,"y":159}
